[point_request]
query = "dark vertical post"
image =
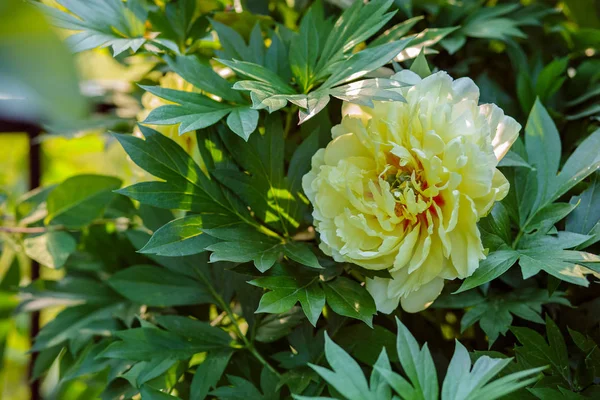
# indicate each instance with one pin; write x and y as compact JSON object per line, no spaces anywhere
{"x":35,"y":172}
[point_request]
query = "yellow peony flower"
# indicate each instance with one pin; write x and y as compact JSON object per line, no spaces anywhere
{"x":187,"y":141}
{"x":402,"y":185}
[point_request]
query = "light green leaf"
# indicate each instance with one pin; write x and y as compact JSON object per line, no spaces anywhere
{"x":366,"y":91}
{"x":417,"y":363}
{"x":420,"y":67}
{"x":242,"y":121}
{"x":50,"y":249}
{"x":80,"y":199}
{"x":346,"y":377}
{"x":113,"y":23}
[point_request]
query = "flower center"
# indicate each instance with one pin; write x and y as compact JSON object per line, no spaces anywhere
{"x":408,"y":186}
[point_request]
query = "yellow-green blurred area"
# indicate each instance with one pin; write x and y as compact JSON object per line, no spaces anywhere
{"x":61,"y":157}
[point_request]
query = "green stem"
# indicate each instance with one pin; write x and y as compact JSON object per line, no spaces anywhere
{"x":225,"y":307}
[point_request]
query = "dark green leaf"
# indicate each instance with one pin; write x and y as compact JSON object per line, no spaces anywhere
{"x":156,"y":286}
{"x":348,"y":298}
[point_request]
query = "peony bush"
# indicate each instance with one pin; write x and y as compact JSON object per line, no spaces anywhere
{"x":362,"y":200}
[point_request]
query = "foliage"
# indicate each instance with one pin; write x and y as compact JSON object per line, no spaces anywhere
{"x":206,"y":280}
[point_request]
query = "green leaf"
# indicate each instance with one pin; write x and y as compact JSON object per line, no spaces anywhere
{"x":149,"y":393}
{"x":485,"y":23}
{"x":301,"y":253}
{"x":156,"y":286}
{"x":346,"y":377}
{"x":193,"y":111}
{"x":368,"y":90}
{"x":513,"y":159}
{"x":54,"y":101}
{"x":183,"y":236}
{"x":186,"y":186}
{"x":264,"y":252}
{"x":364,"y":61}
{"x":364,"y":343}
{"x":585,"y":218}
{"x":464,"y":382}
{"x":286,"y":291}
{"x":202,"y":76}
{"x":348,"y":298}
{"x":551,"y":78}
{"x":396,"y":32}
{"x":241,"y":389}
{"x":417,"y":363}
{"x":144,"y":344}
{"x":548,"y":216}
{"x":420,"y":67}
{"x":495,"y":314}
{"x":584,"y":161}
{"x":113,"y":23}
{"x":306,"y":44}
{"x":494,"y":265}
{"x":194,"y":329}
{"x":312,"y":300}
{"x":542,"y":143}
{"x":264,"y":187}
{"x":356,"y":24}
{"x":537,"y":352}
{"x":50,"y":249}
{"x":209,"y":372}
{"x":234,"y":46}
{"x":242,"y":121}
{"x":79,"y":200}
{"x":562,"y":264}
{"x":69,"y":323}
{"x":275,"y":326}
{"x":260,"y":74}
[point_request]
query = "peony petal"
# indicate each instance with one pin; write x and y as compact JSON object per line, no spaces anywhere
{"x":378,"y":288}
{"x":505,"y":130}
{"x":423,"y":297}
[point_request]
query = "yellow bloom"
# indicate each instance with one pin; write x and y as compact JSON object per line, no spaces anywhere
{"x":402,"y":185}
{"x":187,"y":141}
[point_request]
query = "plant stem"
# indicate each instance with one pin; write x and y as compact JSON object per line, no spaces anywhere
{"x":225,"y":307}
{"x":23,"y":229}
{"x":52,"y":228}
